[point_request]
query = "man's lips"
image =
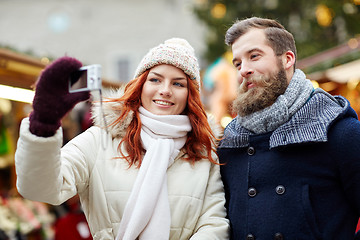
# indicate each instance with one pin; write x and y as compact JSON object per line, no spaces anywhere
{"x":250,"y":84}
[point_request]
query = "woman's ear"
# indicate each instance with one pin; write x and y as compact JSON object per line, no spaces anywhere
{"x":288,"y":59}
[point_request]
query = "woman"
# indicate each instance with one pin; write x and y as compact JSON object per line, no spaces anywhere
{"x":157,"y":175}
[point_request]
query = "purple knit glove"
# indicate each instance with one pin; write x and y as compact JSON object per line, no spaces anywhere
{"x":52,"y":98}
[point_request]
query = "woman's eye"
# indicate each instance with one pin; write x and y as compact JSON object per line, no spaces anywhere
{"x":154,"y":80}
{"x":179,"y":84}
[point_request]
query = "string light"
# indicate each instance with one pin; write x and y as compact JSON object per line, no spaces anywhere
{"x":353,"y":43}
{"x":323,"y":15}
{"x":218,"y":11}
{"x":225,"y":121}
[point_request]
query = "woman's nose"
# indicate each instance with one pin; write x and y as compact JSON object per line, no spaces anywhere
{"x":165,"y":90}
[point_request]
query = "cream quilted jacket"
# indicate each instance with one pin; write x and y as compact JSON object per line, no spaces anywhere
{"x":87,"y":165}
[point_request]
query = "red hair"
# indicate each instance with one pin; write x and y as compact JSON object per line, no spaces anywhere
{"x":200,"y":142}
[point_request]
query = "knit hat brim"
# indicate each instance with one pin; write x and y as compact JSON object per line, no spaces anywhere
{"x":175,"y":51}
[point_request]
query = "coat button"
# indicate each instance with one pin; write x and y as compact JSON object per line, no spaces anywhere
{"x":252,"y":192}
{"x":251,"y":151}
{"x":278,"y":236}
{"x":250,"y":237}
{"x":280,"y":189}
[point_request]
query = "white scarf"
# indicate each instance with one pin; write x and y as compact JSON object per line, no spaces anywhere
{"x":147,"y":211}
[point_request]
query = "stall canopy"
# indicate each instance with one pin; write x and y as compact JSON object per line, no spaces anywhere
{"x":341,"y":73}
{"x":18,"y":70}
{"x":22,"y":71}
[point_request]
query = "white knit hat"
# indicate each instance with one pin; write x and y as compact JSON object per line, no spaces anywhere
{"x":175,"y":51}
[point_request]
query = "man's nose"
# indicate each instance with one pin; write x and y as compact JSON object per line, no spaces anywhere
{"x":246,"y":70}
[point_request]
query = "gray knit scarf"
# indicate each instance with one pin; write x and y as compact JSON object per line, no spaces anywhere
{"x":270,"y":118}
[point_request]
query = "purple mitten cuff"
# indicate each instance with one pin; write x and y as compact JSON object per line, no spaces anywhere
{"x":42,"y":129}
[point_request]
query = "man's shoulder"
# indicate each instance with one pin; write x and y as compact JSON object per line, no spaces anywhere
{"x":326,"y":108}
{"x":312,"y":122}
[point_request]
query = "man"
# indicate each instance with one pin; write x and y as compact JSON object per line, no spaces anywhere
{"x":292,"y":155}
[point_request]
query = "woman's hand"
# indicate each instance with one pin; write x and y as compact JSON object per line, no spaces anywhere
{"x":52,"y":98}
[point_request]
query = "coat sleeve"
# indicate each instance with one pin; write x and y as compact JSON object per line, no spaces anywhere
{"x":48,"y":173}
{"x":212,"y":223}
{"x":345,"y":137}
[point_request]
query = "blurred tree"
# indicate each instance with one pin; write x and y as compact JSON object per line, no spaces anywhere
{"x":316,"y":25}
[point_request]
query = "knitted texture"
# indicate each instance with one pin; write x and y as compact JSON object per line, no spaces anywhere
{"x":175,"y":51}
{"x":296,"y":95}
{"x":309,"y":124}
{"x":52,"y":98}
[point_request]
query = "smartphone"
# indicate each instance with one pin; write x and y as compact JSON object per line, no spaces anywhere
{"x":87,"y":78}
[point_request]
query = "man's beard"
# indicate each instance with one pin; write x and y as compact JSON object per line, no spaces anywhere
{"x":264,"y":94}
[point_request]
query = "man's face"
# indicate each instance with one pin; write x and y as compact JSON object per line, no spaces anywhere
{"x":261,"y":73}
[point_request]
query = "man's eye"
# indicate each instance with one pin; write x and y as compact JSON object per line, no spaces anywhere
{"x":237,"y":65}
{"x":254,"y":56}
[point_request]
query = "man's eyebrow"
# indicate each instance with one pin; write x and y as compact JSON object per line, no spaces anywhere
{"x":255,"y":50}
{"x":249,"y":52}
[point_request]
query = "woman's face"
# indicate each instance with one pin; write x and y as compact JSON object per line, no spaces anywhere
{"x":165,"y":90}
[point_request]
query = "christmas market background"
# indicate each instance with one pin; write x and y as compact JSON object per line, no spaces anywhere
{"x":327,"y":34}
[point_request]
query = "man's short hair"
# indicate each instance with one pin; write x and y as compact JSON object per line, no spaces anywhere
{"x":279,"y":39}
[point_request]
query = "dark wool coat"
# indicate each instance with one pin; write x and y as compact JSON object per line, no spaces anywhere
{"x":299,"y":182}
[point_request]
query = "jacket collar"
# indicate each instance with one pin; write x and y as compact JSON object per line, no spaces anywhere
{"x":110,"y":111}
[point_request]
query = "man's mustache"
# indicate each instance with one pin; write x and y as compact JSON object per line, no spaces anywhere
{"x":259,"y":80}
